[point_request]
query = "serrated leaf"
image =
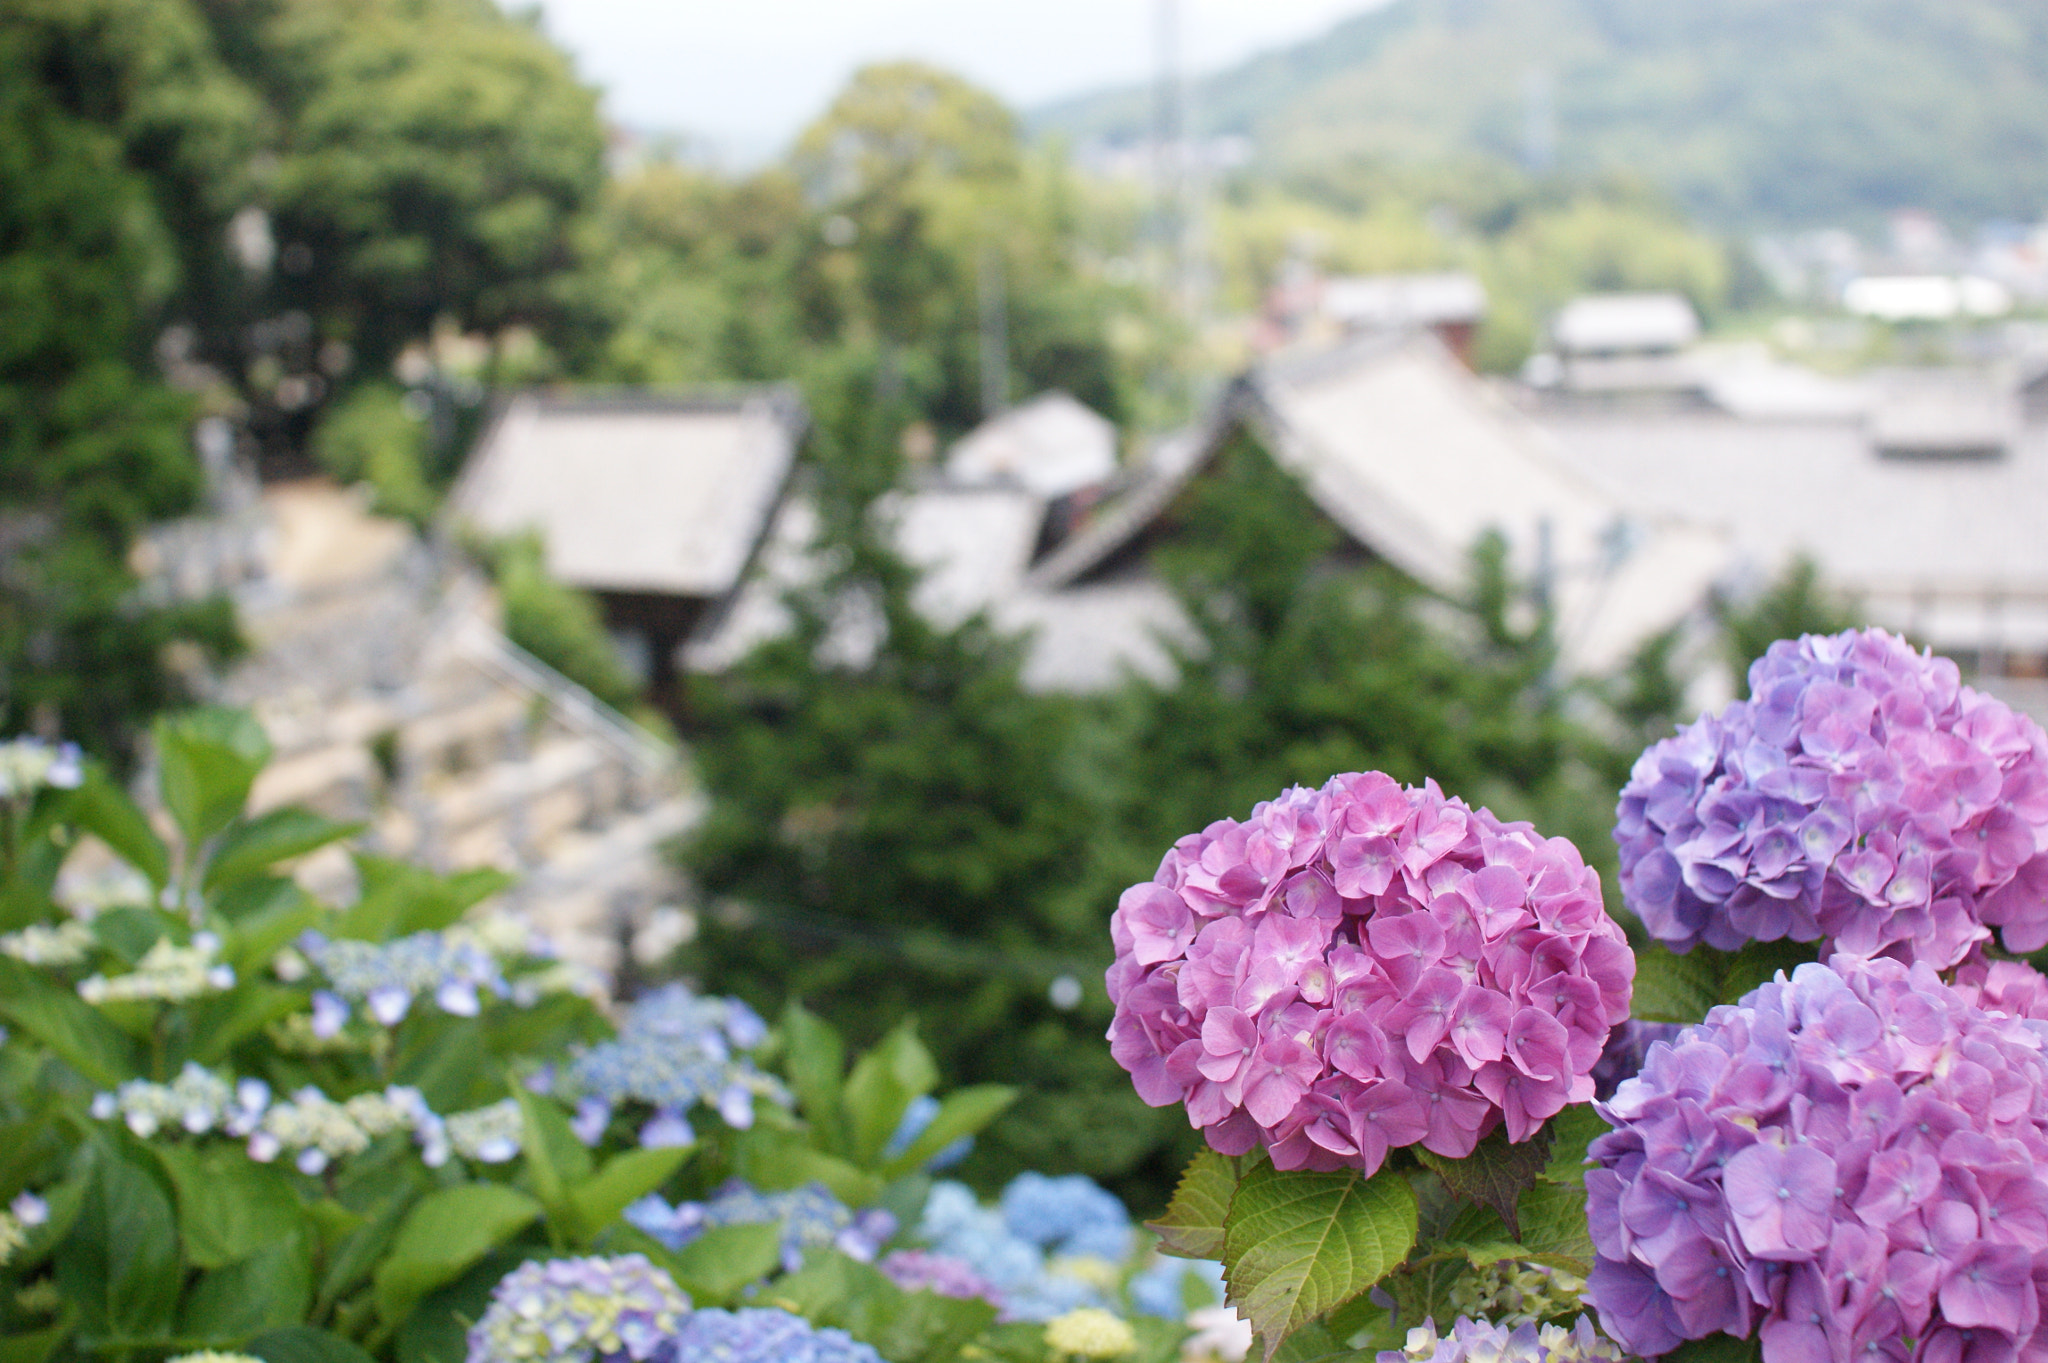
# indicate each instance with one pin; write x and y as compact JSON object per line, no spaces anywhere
{"x":913,"y":1327}
{"x":724,"y":1259}
{"x":303,"y":1344}
{"x":815,"y":1061}
{"x":104,"y":810}
{"x":963,"y":1113}
{"x":1497,"y":1171}
{"x":1757,"y":962}
{"x":252,"y":846}
{"x":207,"y":759}
{"x":555,"y":1159}
{"x":624,"y":1179}
{"x":1673,"y":988}
{"x":37,"y":1345}
{"x":884,"y":1082}
{"x":1571,"y":1131}
{"x":1553,"y":1222}
{"x":77,"y":1033}
{"x":444,"y":1233}
{"x":229,"y":1206}
{"x":1421,"y":1289}
{"x":1193,"y":1225}
{"x":1297,"y":1244}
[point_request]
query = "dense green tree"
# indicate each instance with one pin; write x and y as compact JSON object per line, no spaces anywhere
{"x":92,"y":445}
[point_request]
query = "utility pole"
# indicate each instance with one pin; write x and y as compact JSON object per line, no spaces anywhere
{"x":995,"y":335}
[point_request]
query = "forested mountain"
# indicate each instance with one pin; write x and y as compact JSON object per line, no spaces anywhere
{"x":1750,"y":111}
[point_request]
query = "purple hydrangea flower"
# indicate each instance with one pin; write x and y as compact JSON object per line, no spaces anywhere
{"x":918,"y":1270}
{"x":1862,"y":797}
{"x":580,"y":1311}
{"x":1479,"y":1341}
{"x":1365,"y":967}
{"x":810,"y":1217}
{"x":1844,"y":1165}
{"x":755,"y":1335}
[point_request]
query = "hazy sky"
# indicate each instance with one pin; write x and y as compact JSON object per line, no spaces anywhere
{"x":744,"y":76}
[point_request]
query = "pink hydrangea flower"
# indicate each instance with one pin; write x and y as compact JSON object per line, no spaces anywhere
{"x":1364,"y":967}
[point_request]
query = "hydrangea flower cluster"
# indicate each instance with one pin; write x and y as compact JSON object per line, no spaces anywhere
{"x":2009,"y":987}
{"x":1073,"y":1215}
{"x":1364,"y":967}
{"x":580,"y":1311}
{"x":167,"y":971}
{"x":917,"y":1115}
{"x":26,"y":1212}
{"x":29,"y":764}
{"x":673,"y":1051}
{"x":68,"y":943}
{"x":1164,"y":1287}
{"x":919,"y":1270}
{"x":316,"y":1130}
{"x":1046,"y":1264}
{"x":311,"y":1127}
{"x":760,"y":1335}
{"x":385,"y":977}
{"x":1090,"y":1332}
{"x":1846,"y":1164}
{"x":197,"y":1100}
{"x":810,"y":1217}
{"x":1511,"y":1293}
{"x":1481,"y":1341}
{"x":488,"y":1135}
{"x":1862,"y":795}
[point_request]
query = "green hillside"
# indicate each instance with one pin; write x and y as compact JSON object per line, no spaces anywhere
{"x":1751,"y":111}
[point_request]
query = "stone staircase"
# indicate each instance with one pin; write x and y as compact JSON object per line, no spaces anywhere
{"x":392,"y":699}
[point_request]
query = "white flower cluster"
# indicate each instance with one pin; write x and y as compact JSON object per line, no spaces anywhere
{"x":319,"y":1130}
{"x":29,"y":764}
{"x":197,"y":1100}
{"x":166,"y":971}
{"x":489,"y":1135}
{"x":68,"y":943}
{"x":24,"y":1213}
{"x":311,"y":1127}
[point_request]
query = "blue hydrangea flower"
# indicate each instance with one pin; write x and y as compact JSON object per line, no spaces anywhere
{"x":1059,"y":1255}
{"x":916,"y":1117}
{"x":673,"y":1051}
{"x":810,"y":1217}
{"x":757,"y":1335}
{"x":581,"y":1311}
{"x":1162,"y":1289}
{"x":1073,"y":1215}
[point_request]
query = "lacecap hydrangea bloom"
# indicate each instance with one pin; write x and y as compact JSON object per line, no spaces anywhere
{"x":1862,"y":796}
{"x":810,"y":1217}
{"x":1480,"y":1341}
{"x":761,"y":1335}
{"x":581,"y":1311}
{"x":1364,"y":967}
{"x":1060,"y":1251}
{"x":674,"y":1050}
{"x":1846,"y":1165}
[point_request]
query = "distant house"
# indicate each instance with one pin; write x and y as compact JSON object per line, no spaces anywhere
{"x":1926,"y":506}
{"x":1620,"y":343}
{"x":1414,"y":460}
{"x":1052,"y":446}
{"x":654,"y":504}
{"x":1451,"y":304}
